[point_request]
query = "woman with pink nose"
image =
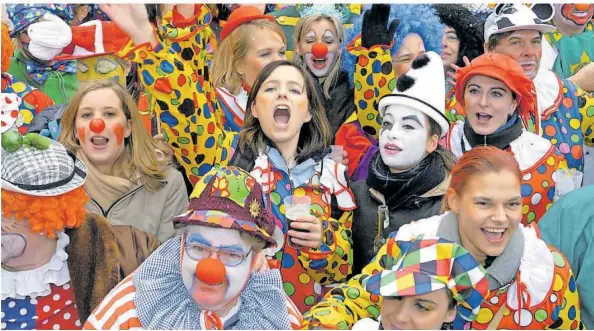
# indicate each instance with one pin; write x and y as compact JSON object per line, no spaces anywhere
{"x":131,"y":180}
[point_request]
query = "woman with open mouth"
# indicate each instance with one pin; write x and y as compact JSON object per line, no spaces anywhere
{"x":282,"y":143}
{"x":131,"y":178}
{"x":496,"y":94}
{"x":318,"y":36}
{"x":391,"y":37}
{"x":531,"y":284}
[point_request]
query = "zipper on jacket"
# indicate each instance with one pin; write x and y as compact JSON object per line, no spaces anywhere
{"x":105,"y":213}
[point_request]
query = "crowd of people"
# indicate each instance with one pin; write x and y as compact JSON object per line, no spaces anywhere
{"x":297,"y":166}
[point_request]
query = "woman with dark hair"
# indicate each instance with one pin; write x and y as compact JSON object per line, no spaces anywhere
{"x":282,"y":143}
{"x":463,"y":37}
{"x":531,"y":283}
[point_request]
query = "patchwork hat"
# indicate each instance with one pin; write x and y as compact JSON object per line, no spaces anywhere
{"x":38,"y":166}
{"x":22,"y":15}
{"x":511,"y":17}
{"x":421,"y":88}
{"x":243,"y":15}
{"x":428,"y":264}
{"x":229,"y":197}
{"x":504,"y":69}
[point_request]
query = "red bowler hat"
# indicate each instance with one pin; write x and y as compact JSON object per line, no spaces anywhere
{"x":243,"y":15}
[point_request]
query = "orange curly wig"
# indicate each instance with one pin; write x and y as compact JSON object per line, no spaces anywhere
{"x":47,"y":215}
{"x":7,"y":48}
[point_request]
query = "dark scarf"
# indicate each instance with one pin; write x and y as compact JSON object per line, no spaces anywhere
{"x":500,"y":138}
{"x":398,"y":188}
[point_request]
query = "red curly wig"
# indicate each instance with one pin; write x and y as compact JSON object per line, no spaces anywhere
{"x":48,"y":215}
{"x":7,"y":48}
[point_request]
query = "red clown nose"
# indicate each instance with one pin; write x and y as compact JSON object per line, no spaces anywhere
{"x":319,"y":50}
{"x":210,"y":271}
{"x":97,"y":125}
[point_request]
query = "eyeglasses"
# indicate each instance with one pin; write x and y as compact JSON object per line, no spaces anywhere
{"x":228,"y":257}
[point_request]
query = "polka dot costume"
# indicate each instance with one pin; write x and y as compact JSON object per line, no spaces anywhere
{"x":55,"y":311}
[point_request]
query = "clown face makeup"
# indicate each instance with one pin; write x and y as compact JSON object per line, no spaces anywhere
{"x":212,"y":282}
{"x":320,"y":47}
{"x":403,"y":137}
{"x":412,"y":46}
{"x":572,"y":15}
{"x":101,"y":127}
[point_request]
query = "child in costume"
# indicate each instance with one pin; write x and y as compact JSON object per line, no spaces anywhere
{"x":531,"y":284}
{"x":205,"y":278}
{"x":32,"y":63}
{"x":423,"y":289}
{"x":410,"y":172}
{"x":391,"y":38}
{"x":58,"y":261}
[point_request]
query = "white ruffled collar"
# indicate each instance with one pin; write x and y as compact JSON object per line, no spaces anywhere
{"x":549,"y":92}
{"x":37,"y":282}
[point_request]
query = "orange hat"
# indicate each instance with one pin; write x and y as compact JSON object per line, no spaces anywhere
{"x":504,"y":69}
{"x":243,"y":15}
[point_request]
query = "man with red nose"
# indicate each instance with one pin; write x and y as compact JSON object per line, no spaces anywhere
{"x":206,"y":279}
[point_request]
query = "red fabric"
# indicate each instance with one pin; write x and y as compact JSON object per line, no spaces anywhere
{"x":179,"y":21}
{"x":114,"y":39}
{"x":354,"y":143}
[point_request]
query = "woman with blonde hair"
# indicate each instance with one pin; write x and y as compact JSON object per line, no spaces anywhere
{"x":131,"y":181}
{"x":318,"y":39}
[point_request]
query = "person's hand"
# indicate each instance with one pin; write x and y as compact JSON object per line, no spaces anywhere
{"x":375,"y":29}
{"x":160,"y":138}
{"x":342,"y":159}
{"x":583,"y":78}
{"x":185,"y":9}
{"x":451,"y":79}
{"x":132,"y":19}
{"x":310,"y":239}
{"x":260,"y":263}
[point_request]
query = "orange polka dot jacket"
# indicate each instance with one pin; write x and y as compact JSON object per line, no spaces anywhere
{"x":199,"y":139}
{"x":565,"y":116}
{"x":531,"y":283}
{"x":539,"y":160}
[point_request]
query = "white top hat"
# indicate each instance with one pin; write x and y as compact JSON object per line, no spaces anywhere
{"x":421,"y":88}
{"x":512,"y":17}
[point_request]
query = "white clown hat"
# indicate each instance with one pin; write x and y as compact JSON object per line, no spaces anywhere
{"x":511,"y":17}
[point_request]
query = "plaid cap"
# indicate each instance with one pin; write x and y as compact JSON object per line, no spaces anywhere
{"x":23,"y":14}
{"x":42,"y":172}
{"x":428,"y":264}
{"x":229,"y":197}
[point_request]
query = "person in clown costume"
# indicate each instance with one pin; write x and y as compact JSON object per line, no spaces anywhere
{"x":58,"y":261}
{"x":32,"y":63}
{"x":33,"y":100}
{"x":391,"y":37}
{"x":427,"y":283}
{"x":497,"y":95}
{"x":318,"y":37}
{"x":206,"y":278}
{"x":531,"y":284}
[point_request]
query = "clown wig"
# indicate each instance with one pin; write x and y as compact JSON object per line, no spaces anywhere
{"x":7,"y":48}
{"x":414,"y":18}
{"x":468,"y":27}
{"x":47,"y":215}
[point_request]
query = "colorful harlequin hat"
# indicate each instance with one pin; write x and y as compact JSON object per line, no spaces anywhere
{"x":22,"y":15}
{"x":229,"y":197}
{"x":428,"y":264}
{"x":243,"y":15}
{"x":504,"y":69}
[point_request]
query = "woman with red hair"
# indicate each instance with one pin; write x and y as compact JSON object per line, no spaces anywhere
{"x":496,"y":95}
{"x":531,"y":284}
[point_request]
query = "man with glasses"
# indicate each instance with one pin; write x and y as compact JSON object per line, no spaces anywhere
{"x":207,"y":278}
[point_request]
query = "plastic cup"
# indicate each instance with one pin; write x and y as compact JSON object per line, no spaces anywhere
{"x":567,"y":180}
{"x":337,"y":153}
{"x":296,"y":207}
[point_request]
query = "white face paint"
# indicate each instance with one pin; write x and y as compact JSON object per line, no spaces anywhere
{"x":403,"y":137}
{"x":218,"y":297}
{"x":320,"y":32}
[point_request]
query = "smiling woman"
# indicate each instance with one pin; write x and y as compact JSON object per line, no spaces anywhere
{"x":127,"y":168}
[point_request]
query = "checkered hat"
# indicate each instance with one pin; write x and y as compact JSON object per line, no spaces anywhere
{"x":229,"y":197}
{"x":428,"y":264}
{"x":22,"y":15}
{"x":41,"y":171}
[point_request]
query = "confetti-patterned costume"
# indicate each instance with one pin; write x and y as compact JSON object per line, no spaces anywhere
{"x":200,"y":140}
{"x":550,"y":299}
{"x":539,"y":161}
